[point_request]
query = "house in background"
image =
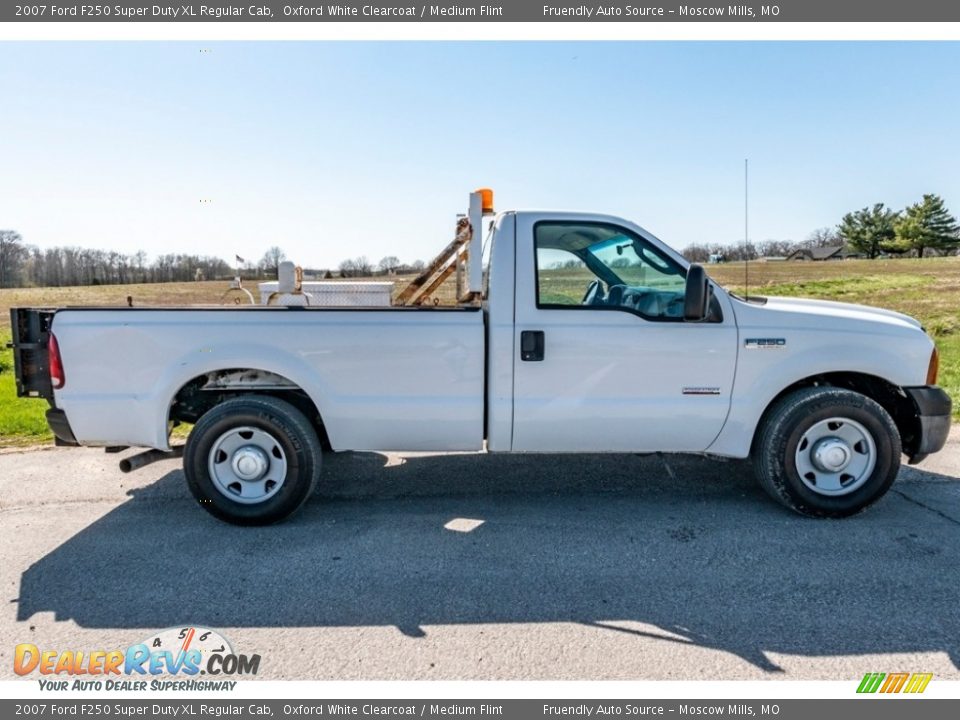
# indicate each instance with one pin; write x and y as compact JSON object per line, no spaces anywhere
{"x":829,"y":252}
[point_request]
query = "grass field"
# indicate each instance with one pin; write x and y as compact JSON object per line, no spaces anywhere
{"x":927,"y":289}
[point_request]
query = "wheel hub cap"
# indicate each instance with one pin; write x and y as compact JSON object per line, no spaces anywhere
{"x":250,"y":462}
{"x":247,"y":465}
{"x":835,"y":456}
{"x":831,"y":455}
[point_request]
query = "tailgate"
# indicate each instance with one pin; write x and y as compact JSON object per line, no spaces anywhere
{"x":30,"y":328}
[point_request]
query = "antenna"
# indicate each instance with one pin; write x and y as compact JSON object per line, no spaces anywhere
{"x":746,"y":229}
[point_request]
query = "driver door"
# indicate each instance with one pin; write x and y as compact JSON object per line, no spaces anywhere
{"x":604,"y":360}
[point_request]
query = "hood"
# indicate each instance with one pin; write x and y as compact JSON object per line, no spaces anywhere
{"x":833,"y":309}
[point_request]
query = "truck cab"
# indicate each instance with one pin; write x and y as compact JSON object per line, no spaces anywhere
{"x":609,"y":353}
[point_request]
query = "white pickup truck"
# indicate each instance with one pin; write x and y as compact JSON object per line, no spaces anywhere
{"x":585,"y":334}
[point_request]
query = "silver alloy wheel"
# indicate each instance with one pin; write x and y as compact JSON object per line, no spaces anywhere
{"x":836,"y":456}
{"x":247,"y":465}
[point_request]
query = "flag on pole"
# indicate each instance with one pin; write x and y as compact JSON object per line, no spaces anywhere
{"x":240,"y":259}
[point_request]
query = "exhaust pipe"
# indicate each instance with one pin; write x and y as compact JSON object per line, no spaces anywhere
{"x":149,"y":457}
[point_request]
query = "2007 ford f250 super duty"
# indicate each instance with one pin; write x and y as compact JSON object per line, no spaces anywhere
{"x":586,"y":334}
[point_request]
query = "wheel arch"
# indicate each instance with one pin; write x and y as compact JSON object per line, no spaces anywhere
{"x":197,"y":395}
{"x":885,"y":393}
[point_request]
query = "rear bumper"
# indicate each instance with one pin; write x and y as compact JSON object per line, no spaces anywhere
{"x":63,"y":433}
{"x":933,"y":407}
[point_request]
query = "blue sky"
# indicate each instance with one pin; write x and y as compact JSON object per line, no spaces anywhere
{"x":332,"y":150}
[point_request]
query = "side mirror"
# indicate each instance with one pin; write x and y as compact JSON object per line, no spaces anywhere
{"x":696,"y":303}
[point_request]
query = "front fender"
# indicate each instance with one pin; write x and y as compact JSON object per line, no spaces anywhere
{"x":763,"y":374}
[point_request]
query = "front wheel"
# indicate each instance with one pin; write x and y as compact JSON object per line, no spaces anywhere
{"x":252,"y":460}
{"x":827,"y":452}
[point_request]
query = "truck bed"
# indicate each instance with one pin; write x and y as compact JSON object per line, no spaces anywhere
{"x":382,"y":378}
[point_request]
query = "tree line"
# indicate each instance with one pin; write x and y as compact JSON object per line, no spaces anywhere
{"x":364,"y":267}
{"x":735,"y":252}
{"x":23,"y":265}
{"x":357,"y":267}
{"x":873,"y":231}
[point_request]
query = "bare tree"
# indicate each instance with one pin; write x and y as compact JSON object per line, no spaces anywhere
{"x":776,"y":248}
{"x":347,"y":269}
{"x":822,"y":237}
{"x":270,"y":262}
{"x":12,"y":255}
{"x":738,"y":252}
{"x":356,"y":267}
{"x":701,"y":252}
{"x":389,"y":264}
{"x":140,"y":260}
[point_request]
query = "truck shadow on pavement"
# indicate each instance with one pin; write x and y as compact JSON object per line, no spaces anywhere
{"x":681,"y":549}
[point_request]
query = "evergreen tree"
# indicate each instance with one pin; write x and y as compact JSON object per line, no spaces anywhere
{"x":927,"y":224}
{"x":869,"y":230}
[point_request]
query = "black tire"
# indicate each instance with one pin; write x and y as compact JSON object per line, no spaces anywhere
{"x":782,"y":430}
{"x":297,"y":447}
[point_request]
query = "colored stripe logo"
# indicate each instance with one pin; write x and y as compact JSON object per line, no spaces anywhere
{"x":894,"y":683}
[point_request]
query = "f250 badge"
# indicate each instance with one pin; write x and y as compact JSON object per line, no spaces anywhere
{"x":764,"y":343}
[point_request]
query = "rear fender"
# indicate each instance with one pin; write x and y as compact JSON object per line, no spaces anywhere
{"x":252,"y":357}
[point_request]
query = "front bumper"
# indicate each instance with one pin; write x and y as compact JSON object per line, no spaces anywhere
{"x":932,"y":406}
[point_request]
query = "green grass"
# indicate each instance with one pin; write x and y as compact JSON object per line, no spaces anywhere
{"x":849,"y":289}
{"x":22,"y":420}
{"x":949,"y":380}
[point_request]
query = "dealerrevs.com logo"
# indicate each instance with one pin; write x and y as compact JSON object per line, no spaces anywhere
{"x":185,"y":652}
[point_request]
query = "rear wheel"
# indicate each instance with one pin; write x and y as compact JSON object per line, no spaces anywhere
{"x":827,"y":452}
{"x":252,"y":460}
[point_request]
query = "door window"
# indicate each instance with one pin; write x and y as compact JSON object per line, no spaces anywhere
{"x":600,"y":266}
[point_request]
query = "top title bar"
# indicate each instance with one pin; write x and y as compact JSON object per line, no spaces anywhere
{"x":516,"y":11}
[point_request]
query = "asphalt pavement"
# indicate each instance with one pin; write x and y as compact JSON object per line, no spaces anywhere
{"x":491,"y":567}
